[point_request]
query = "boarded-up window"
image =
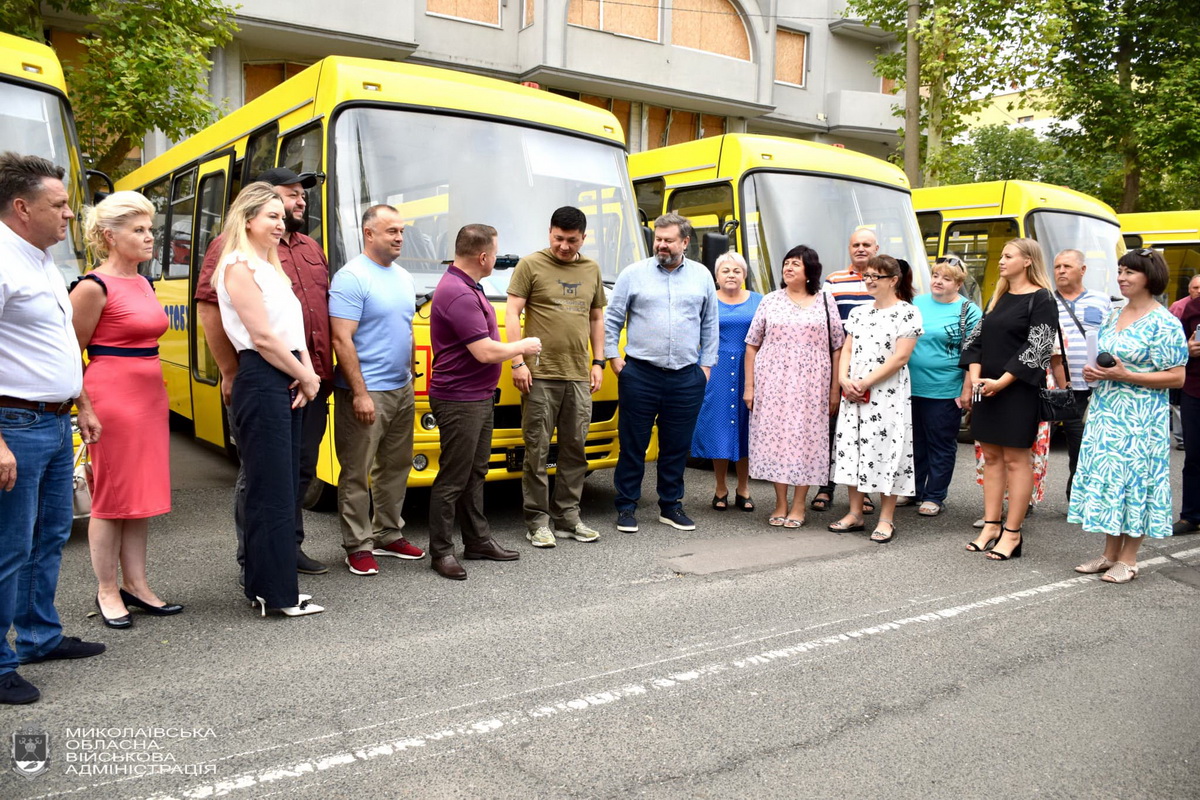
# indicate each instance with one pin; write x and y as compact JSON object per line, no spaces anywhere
{"x":637,"y":18}
{"x":888,"y":85}
{"x":710,"y":25}
{"x":528,"y":13}
{"x":665,"y":126}
{"x":261,"y":78}
{"x":711,"y":125}
{"x":623,"y":111}
{"x":790,"y":49}
{"x":486,"y":11}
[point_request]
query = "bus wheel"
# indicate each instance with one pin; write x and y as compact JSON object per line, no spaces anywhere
{"x":320,"y":496}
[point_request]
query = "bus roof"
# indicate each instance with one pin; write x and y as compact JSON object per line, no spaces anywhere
{"x":31,"y":61}
{"x":1007,"y":198}
{"x":338,"y":79}
{"x":1160,"y":227}
{"x":729,"y":155}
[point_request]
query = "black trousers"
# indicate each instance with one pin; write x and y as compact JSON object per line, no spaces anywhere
{"x":269,"y":432}
{"x":1073,"y":431}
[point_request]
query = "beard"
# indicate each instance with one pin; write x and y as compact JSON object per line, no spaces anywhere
{"x":293,"y":225}
{"x":665,"y":259}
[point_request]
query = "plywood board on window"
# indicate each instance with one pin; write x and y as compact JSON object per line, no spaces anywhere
{"x":789,"y":56}
{"x":684,"y":126}
{"x":710,"y":25}
{"x":623,"y":110}
{"x":584,"y":13}
{"x":528,"y":13}
{"x":632,"y":17}
{"x":476,"y":10}
{"x":711,"y":125}
{"x":656,"y":126}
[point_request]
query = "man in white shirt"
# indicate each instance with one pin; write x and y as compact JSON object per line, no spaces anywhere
{"x":41,"y":378}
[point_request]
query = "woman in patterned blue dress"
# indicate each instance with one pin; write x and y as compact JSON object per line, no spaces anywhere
{"x":722,"y":429}
{"x":1123,"y":485}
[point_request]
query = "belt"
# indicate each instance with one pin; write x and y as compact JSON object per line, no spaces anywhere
{"x":47,"y":408}
{"x":656,"y":366}
{"x":128,"y":352}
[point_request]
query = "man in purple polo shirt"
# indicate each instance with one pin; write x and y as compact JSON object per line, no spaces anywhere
{"x":467,"y":353}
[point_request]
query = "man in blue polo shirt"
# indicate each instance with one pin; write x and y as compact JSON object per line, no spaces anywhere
{"x":371,"y":305}
{"x":467,"y":353}
{"x":667,"y":305}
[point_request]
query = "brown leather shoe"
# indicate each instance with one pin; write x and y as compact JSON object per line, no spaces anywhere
{"x":448,"y":567}
{"x":492,"y":551}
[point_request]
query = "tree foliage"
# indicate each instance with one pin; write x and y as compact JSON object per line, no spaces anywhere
{"x":146,"y":68}
{"x":1128,"y":75}
{"x":969,"y":50}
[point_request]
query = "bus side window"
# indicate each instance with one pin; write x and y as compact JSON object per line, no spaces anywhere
{"x":301,"y":152}
{"x":260,"y":153}
{"x":156,"y":193}
{"x":930,"y":223}
{"x":980,"y":243}
{"x":183,"y":205}
{"x":707,"y":207}
{"x":650,"y":193}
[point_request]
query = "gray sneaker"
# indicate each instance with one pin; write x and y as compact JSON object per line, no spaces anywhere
{"x":542,"y":537}
{"x":581,"y":533}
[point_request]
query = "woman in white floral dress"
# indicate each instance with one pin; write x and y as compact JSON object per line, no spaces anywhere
{"x":1123,"y":485}
{"x":874,"y":443}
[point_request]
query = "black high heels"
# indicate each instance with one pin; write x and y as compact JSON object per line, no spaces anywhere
{"x":114,"y":622}
{"x":990,"y":543}
{"x":165,"y":610}
{"x":996,"y":555}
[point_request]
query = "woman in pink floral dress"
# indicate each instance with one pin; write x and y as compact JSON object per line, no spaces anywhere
{"x":791,"y":357}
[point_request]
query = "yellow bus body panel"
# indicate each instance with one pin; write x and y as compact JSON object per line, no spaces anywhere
{"x":1176,"y":234}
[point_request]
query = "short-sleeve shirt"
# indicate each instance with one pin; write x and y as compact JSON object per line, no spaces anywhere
{"x":848,"y":291}
{"x":559,"y":298}
{"x":305,"y":265}
{"x":1091,"y":309}
{"x":460,"y":313}
{"x":934,"y":367}
{"x":382,"y":300}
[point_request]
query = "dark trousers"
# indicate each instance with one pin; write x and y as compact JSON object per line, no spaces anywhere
{"x":1189,"y":408}
{"x":1073,"y":431}
{"x":457,"y":491}
{"x":269,"y":443}
{"x":312,"y":430}
{"x":670,"y":398}
{"x":935,"y":446}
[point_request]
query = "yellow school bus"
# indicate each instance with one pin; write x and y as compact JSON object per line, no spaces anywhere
{"x":1176,"y":234}
{"x":974,"y":220}
{"x":448,"y":149}
{"x":35,"y":119}
{"x":770,"y":194}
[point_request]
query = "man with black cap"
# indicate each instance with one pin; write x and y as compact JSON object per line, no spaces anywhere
{"x":305,"y":264}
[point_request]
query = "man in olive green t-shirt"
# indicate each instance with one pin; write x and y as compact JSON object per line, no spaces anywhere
{"x":562,"y":296}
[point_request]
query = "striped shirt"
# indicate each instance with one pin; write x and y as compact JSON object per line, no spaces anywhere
{"x":1091,"y":309}
{"x":848,"y":291}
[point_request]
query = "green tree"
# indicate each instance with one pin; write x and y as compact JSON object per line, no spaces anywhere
{"x":1128,"y":75}
{"x":969,"y":50}
{"x":146,"y":68}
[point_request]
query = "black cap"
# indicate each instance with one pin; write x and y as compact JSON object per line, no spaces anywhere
{"x":282,"y":176}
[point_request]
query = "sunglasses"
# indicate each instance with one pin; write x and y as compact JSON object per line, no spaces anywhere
{"x":953,"y":261}
{"x":1144,"y":252}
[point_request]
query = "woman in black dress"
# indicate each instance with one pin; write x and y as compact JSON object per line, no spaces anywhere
{"x":1007,"y":355}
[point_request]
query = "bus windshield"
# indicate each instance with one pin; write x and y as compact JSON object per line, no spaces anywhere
{"x":787,"y":209}
{"x":36,"y":122}
{"x":1098,"y":240}
{"x":442,"y":172}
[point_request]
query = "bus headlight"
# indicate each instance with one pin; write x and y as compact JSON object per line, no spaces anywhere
{"x":420,"y":462}
{"x":427,"y":421}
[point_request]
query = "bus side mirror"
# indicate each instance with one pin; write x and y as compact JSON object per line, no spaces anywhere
{"x":99,"y":185}
{"x":507,"y":261}
{"x":712,"y":247}
{"x":648,"y":235}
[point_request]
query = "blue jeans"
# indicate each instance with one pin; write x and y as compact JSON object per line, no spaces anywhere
{"x":35,"y":523}
{"x":672,"y":398}
{"x":935,"y":446}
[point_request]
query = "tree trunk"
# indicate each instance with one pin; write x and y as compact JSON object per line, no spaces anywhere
{"x":114,"y":155}
{"x":933,"y":133}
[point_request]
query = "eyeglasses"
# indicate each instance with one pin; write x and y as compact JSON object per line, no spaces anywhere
{"x":953,"y":261}
{"x":872,"y":277}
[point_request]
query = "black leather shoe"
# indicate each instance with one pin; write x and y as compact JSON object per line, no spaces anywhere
{"x":165,"y":610}
{"x":1184,"y":527}
{"x":448,"y":567}
{"x":309,"y":566}
{"x":69,"y":647}
{"x":114,"y":622}
{"x":16,"y":691}
{"x":492,"y":551}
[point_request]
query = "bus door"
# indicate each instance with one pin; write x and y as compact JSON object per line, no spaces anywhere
{"x":211,"y":199}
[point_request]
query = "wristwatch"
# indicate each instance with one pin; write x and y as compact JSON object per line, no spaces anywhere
{"x":599,"y":362}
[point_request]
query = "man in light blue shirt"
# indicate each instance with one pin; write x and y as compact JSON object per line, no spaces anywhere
{"x":371,"y":306}
{"x":667,"y":306}
{"x":1080,"y":312}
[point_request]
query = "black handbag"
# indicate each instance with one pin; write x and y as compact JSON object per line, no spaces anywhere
{"x":1058,"y":405}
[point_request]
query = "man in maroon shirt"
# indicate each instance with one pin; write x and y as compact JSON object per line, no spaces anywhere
{"x":1189,"y":513}
{"x":305,"y":264}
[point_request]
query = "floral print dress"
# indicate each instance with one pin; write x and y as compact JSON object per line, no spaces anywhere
{"x":874,"y":442}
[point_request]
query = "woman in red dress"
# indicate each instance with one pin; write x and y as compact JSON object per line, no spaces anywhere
{"x":118,"y":322}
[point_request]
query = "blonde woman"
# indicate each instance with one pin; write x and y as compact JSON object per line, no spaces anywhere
{"x":117,"y":322}
{"x":1007,"y":355}
{"x":275,"y":379}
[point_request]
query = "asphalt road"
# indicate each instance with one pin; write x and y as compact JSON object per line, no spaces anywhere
{"x":737,"y":660}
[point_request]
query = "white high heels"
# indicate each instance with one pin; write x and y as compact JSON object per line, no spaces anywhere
{"x":303,"y":608}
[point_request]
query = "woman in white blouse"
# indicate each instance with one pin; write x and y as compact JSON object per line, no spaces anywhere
{"x":275,"y":378}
